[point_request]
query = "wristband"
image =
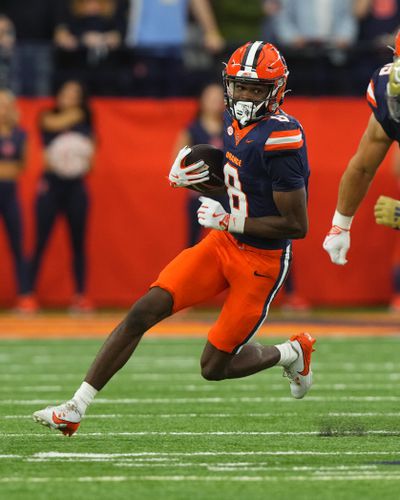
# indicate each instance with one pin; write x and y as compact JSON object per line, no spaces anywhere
{"x":342,"y":221}
{"x":236,"y":223}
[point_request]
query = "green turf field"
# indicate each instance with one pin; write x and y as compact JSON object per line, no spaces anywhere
{"x":159,"y":431}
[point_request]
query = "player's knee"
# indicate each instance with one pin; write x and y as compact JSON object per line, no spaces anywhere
{"x":148,"y":311}
{"x":212,"y":373}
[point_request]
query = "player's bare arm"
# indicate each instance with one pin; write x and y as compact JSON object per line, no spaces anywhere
{"x":383,"y":96}
{"x":362,"y":168}
{"x":353,"y":187}
{"x":291,"y":223}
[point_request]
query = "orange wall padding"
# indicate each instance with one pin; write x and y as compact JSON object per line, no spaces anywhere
{"x":137,"y":222}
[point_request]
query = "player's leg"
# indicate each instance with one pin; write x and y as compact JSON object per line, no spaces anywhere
{"x":254,"y":285}
{"x":174,"y":290}
{"x":150,"y":309}
{"x":154,"y":306}
{"x":220,"y":365}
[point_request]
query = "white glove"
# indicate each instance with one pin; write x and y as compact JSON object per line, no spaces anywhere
{"x":337,"y":244}
{"x":213,"y":215}
{"x":183,"y":176}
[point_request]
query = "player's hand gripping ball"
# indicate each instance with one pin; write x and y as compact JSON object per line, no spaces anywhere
{"x":199,"y":167}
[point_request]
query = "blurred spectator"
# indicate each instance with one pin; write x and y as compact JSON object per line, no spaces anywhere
{"x":92,"y":24}
{"x":157,"y":29}
{"x":12,"y":162}
{"x":34,"y":23}
{"x":88,"y":37}
{"x":67,"y":135}
{"x":238,"y":21}
{"x":206,"y":128}
{"x":317,"y":35}
{"x":379,"y":21}
{"x":329,"y":22}
{"x":7,"y":43}
{"x":271,"y":8}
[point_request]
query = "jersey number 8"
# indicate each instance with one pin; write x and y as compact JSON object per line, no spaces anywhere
{"x":237,"y":199}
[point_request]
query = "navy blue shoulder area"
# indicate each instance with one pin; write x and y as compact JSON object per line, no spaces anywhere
{"x":376,"y":98}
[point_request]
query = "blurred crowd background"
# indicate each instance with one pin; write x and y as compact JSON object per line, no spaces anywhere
{"x":77,"y":51}
{"x":173,"y":47}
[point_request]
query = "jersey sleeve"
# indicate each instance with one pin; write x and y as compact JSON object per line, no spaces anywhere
{"x":370,"y":95}
{"x":287,"y":172}
{"x":284,"y":139}
{"x":376,"y":99}
{"x":285,"y":154}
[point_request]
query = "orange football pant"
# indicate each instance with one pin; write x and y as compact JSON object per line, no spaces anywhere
{"x":252,"y":276}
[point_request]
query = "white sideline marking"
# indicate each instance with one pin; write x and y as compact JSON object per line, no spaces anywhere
{"x":218,"y":399}
{"x":10,"y":456}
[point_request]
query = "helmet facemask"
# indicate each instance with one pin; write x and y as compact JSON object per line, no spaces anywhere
{"x":247,"y":110}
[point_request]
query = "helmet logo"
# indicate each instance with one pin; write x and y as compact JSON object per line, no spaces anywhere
{"x":247,"y":73}
{"x":230,"y":130}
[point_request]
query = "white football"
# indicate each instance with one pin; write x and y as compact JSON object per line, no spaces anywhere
{"x":69,"y":154}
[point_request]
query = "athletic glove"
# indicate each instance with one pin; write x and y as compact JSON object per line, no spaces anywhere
{"x":212,"y":214}
{"x":337,"y":241}
{"x":184,"y":176}
{"x":387,"y":212}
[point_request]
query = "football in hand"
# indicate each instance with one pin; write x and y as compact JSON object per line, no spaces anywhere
{"x":214,"y":162}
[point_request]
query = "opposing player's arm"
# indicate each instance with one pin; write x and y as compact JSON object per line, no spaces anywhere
{"x":362,"y":168}
{"x":353,"y":187}
{"x":292,"y":222}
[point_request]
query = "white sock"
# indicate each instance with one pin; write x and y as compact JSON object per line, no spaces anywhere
{"x":288,"y":354}
{"x":84,"y":396}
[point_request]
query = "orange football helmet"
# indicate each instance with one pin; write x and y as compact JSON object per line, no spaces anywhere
{"x":256,"y":63}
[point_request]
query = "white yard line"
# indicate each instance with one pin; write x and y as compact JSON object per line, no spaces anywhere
{"x":202,"y":387}
{"x":219,"y":415}
{"x":167,"y":377}
{"x":206,"y":433}
{"x":211,"y":400}
{"x":182,"y":478}
{"x":172,"y":454}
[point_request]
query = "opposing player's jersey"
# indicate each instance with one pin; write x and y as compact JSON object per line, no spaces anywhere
{"x":376,"y":97}
{"x":267,"y":156}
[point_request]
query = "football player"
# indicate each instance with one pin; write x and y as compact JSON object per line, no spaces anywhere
{"x":383,"y":97}
{"x":247,"y":251}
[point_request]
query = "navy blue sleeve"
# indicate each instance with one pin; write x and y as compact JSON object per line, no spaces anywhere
{"x":287,"y":172}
